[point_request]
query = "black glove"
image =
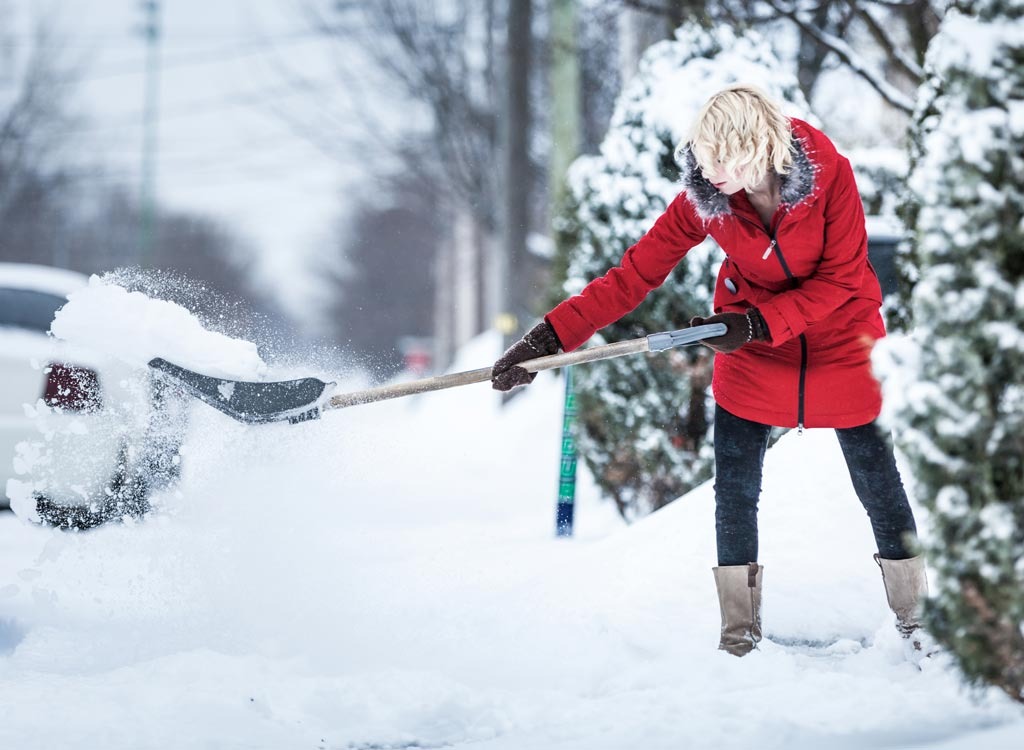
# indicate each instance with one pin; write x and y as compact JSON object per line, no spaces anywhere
{"x":742,"y":329}
{"x":538,"y":342}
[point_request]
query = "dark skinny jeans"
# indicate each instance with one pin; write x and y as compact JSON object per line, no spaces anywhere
{"x":740,"y":446}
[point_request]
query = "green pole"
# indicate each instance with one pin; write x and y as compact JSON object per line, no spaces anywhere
{"x":565,"y":509}
{"x":566,"y":136}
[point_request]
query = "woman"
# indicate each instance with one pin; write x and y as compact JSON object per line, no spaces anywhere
{"x":801,"y":304}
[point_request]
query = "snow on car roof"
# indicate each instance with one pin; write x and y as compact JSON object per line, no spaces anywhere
{"x":41,"y":278}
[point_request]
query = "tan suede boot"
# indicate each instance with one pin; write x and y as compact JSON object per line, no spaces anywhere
{"x":739,"y":597}
{"x":906,"y":586}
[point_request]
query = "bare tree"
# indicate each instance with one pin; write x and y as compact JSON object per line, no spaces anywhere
{"x":384,"y":291}
{"x":471,"y":76}
{"x":517,"y":173}
{"x":55,"y":211}
{"x":35,"y":120}
{"x":442,"y":60}
{"x":101,"y":234}
{"x":819,"y":32}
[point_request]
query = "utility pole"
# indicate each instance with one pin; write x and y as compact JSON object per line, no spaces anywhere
{"x":150,"y":121}
{"x":566,"y":98}
{"x":516,"y":215}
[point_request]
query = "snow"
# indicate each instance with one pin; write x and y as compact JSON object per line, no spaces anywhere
{"x":388,"y":577}
{"x":692,"y":85}
{"x":135,"y":329}
{"x":973,"y":44}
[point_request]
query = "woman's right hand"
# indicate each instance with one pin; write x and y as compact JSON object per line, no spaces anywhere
{"x":740,"y":329}
{"x":539,"y":341}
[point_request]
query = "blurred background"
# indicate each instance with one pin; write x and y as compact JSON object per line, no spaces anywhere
{"x":380,"y":177}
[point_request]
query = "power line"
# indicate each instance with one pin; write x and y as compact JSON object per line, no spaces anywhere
{"x":234,"y":52}
{"x":218,"y":176}
{"x":204,"y":106}
{"x":82,"y":38}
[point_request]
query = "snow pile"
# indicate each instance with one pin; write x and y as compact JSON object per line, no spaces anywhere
{"x":81,"y":458}
{"x":136,"y":328}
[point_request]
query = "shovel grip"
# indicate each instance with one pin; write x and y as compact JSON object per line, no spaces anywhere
{"x":655,"y":342}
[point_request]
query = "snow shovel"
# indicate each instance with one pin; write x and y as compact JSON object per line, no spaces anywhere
{"x":304,"y":399}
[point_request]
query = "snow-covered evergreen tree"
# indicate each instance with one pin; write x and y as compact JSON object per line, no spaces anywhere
{"x":645,"y":419}
{"x":960,"y":382}
{"x":881,"y":174}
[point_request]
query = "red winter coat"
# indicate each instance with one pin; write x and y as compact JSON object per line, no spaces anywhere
{"x":808,"y":274}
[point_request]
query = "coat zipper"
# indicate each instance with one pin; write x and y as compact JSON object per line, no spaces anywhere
{"x":774,"y":246}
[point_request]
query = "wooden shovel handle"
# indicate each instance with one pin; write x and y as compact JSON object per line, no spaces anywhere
{"x":455,"y":379}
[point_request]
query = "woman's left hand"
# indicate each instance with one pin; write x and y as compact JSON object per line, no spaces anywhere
{"x":741,"y":330}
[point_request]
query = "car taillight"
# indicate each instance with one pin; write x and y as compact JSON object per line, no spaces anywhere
{"x":72,"y":388}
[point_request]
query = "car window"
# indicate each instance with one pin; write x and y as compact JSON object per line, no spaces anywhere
{"x":27,"y":308}
{"x":882,"y":254}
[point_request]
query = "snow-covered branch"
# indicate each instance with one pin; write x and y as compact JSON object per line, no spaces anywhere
{"x":877,"y":30}
{"x":847,"y":55}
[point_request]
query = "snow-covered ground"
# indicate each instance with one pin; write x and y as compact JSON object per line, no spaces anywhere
{"x":388,"y":577}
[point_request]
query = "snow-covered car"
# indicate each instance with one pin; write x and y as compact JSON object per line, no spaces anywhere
{"x":84,"y":438}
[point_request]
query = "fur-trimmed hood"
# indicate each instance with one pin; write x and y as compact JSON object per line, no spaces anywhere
{"x":812,"y":159}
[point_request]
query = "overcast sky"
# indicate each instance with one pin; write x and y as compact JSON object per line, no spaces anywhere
{"x":224,"y":147}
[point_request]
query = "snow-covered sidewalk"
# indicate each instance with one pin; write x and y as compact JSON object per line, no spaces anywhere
{"x":388,"y":577}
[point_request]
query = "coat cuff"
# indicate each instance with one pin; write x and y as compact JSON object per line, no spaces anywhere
{"x":780,"y":329}
{"x":570,"y":327}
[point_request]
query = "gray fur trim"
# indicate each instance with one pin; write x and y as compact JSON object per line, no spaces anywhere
{"x":710,"y":203}
{"x":798,"y":183}
{"x":707,"y":200}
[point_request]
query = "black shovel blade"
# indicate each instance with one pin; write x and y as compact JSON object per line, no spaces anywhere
{"x":253,"y":403}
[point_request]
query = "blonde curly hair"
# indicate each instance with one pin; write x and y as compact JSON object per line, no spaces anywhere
{"x":742,"y":128}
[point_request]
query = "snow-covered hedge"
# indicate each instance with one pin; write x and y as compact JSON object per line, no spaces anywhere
{"x":645,"y":419}
{"x":958,"y":387}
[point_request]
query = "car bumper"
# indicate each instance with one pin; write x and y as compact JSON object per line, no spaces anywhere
{"x":70,"y":458}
